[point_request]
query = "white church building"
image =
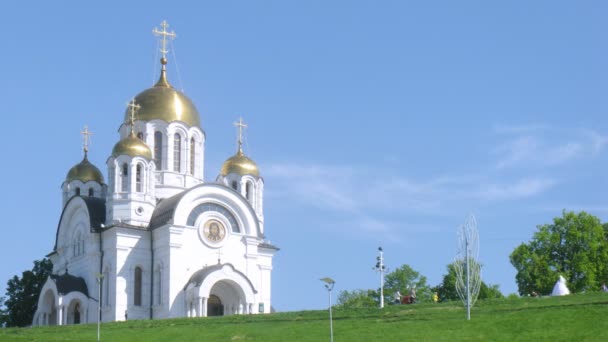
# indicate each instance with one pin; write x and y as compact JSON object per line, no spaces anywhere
{"x":156,"y":240}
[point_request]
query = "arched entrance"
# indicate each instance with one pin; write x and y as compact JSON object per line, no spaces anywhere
{"x":50,"y":310}
{"x":214,"y":306}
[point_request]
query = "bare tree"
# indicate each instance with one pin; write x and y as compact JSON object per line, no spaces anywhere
{"x":468,"y":269}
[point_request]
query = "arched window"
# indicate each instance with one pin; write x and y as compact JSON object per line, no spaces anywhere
{"x":248,"y":191}
{"x":158,"y":149}
{"x":140,"y":136}
{"x":91,"y":192}
{"x":77,"y":191}
{"x":192,"y":155}
{"x":137,"y":287}
{"x":138,"y":178}
{"x":234,"y":185}
{"x":124,"y":178}
{"x":177,"y":152}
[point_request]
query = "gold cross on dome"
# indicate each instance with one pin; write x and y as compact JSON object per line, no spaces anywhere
{"x":164,"y":34}
{"x":86,"y":138}
{"x":241,"y":126}
{"x":133,"y":108}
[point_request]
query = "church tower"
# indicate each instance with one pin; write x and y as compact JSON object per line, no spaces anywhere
{"x":84,"y":178}
{"x":131,"y":171}
{"x":241,"y":174}
{"x":169,"y":123}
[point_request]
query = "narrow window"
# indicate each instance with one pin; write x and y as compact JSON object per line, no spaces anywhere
{"x":77,"y":191}
{"x":192,"y":155}
{"x":158,"y":150}
{"x":234,"y":185}
{"x":140,"y":136}
{"x":137,"y":287}
{"x":138,"y":178}
{"x":124,"y":179}
{"x":177,"y":152}
{"x":248,"y":192}
{"x":91,"y":192}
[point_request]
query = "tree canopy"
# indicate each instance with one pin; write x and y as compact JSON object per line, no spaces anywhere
{"x":22,"y":295}
{"x":447,"y":289}
{"x":575,"y":245}
{"x":403,"y":279}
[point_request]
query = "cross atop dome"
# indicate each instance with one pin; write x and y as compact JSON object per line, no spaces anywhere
{"x":241,"y":126}
{"x":133,"y":108}
{"x":164,"y":36}
{"x":86,"y":139}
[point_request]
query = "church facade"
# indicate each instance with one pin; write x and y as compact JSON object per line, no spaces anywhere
{"x":156,"y":240}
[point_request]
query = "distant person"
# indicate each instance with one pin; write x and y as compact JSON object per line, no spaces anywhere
{"x":604,"y":287}
{"x":397,"y":297}
{"x":413,"y":294}
{"x":435,"y":297}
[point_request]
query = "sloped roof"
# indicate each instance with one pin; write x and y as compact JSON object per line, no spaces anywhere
{"x":97,"y":214}
{"x":67,"y":283}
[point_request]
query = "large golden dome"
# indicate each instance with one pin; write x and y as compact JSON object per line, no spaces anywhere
{"x":132,"y":146}
{"x":84,"y":172}
{"x":163,"y":102}
{"x":241,"y":165}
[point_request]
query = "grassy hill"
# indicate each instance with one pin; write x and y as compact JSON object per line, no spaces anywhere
{"x":582,"y":317}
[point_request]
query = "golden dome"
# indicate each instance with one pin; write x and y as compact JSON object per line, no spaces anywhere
{"x":84,"y":172}
{"x":241,"y":165}
{"x":163,"y":102}
{"x":132,"y":146}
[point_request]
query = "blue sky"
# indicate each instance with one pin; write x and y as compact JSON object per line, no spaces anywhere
{"x":374,"y":123}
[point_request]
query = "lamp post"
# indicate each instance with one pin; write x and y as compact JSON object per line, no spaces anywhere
{"x":380,"y":268}
{"x":99,"y":278}
{"x":329,"y":285}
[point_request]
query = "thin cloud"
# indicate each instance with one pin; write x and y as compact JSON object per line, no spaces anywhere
{"x":522,"y":189}
{"x":539,"y":145}
{"x":376,"y":204}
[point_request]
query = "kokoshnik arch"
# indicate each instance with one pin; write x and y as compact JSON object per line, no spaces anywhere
{"x":160,"y":241}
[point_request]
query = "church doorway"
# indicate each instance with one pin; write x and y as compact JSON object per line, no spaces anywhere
{"x":77,"y":314}
{"x":214,"y":306}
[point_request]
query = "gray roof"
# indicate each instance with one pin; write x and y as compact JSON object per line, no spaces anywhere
{"x":97,"y":214}
{"x":67,"y":283}
{"x":163,"y":213}
{"x":165,"y":209}
{"x":268,"y":246}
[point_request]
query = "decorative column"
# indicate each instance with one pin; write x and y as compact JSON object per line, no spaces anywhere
{"x":204,"y":303}
{"x":60,"y":315}
{"x":200,"y":306}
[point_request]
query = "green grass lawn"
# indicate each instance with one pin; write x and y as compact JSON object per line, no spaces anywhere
{"x":582,"y":317}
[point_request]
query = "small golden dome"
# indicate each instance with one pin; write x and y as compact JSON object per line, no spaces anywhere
{"x":84,"y":172}
{"x":241,"y":165}
{"x":163,"y":102}
{"x":132,"y":146}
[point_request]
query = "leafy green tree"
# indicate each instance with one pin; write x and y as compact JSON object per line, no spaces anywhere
{"x":22,"y":295}
{"x":574,"y":245}
{"x":447,"y":289}
{"x":403,"y":279}
{"x":358,"y":299}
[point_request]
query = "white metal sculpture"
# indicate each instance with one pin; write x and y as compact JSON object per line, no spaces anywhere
{"x":468,"y":269}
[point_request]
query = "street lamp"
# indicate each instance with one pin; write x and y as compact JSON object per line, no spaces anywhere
{"x":99,"y":277}
{"x":380,"y":268}
{"x":329,"y":285}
